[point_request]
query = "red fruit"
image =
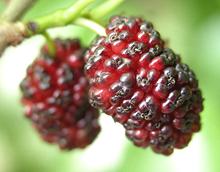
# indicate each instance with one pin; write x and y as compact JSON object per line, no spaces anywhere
{"x":55,"y":97}
{"x":144,"y":85}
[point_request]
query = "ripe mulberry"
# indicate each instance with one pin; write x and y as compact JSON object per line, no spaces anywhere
{"x":143,"y":85}
{"x":55,"y":97}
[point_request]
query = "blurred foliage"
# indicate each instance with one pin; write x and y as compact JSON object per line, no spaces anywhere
{"x":2,"y":5}
{"x":191,"y":28}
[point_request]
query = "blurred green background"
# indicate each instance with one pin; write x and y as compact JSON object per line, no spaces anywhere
{"x":191,"y":28}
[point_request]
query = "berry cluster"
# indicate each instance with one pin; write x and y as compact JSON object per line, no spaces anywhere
{"x":55,"y":97}
{"x":143,"y":85}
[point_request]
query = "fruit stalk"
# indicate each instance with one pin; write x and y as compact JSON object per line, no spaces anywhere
{"x":50,"y":44}
{"x":97,"y":28}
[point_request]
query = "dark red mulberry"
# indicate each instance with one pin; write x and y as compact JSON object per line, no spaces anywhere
{"x":55,"y":97}
{"x":143,"y":85}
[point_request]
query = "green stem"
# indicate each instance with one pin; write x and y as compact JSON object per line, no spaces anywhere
{"x":58,"y":18}
{"x":50,"y":44}
{"x":102,"y":10}
{"x":99,"y":29}
{"x":68,"y":15}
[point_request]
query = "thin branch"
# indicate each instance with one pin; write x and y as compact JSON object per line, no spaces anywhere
{"x":11,"y":34}
{"x":16,"y":9}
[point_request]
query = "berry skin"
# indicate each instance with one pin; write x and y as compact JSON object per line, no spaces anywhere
{"x":143,"y":85}
{"x":55,"y":97}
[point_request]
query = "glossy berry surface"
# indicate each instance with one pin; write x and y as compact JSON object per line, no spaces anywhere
{"x":143,"y":85}
{"x":54,"y":94}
